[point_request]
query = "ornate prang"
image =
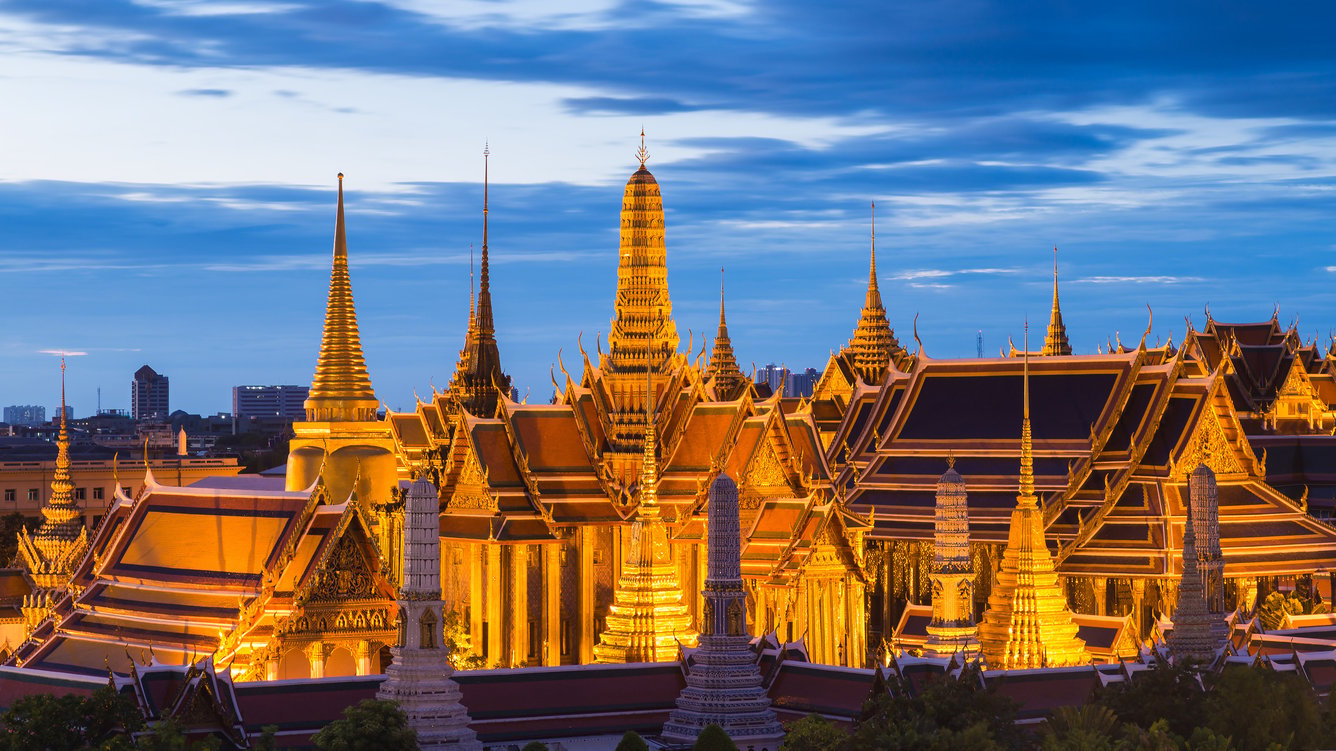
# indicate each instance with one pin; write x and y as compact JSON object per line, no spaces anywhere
{"x":952,"y":629}
{"x":723,"y":681}
{"x":419,"y":678}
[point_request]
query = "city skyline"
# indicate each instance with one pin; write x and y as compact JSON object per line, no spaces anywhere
{"x":190,"y":226}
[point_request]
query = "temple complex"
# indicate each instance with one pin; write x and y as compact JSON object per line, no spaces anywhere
{"x":580,"y":531}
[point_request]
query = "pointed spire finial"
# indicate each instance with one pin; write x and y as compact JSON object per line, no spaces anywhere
{"x":643,"y":153}
{"x":721,"y":295}
{"x":1027,"y":496}
{"x":472,"y":287}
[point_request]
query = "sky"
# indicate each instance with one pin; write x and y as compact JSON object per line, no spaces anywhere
{"x":167,"y":177}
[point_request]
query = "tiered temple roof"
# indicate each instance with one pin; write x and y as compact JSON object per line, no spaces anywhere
{"x":723,"y":374}
{"x":1114,"y":440}
{"x":170,"y":571}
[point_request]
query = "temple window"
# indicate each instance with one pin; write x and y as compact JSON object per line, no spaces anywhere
{"x":427,"y":625}
{"x":98,"y":494}
{"x":33,"y":494}
{"x":81,"y":494}
{"x":11,"y":494}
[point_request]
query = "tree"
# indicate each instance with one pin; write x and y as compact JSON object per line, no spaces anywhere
{"x":1085,"y":728}
{"x":372,"y":725}
{"x":70,"y":721}
{"x":632,"y":741}
{"x":945,"y":711}
{"x":1168,"y":692}
{"x":1256,"y":707}
{"x":168,"y":735}
{"x":534,"y":746}
{"x":10,"y":524}
{"x":457,"y":641}
{"x":713,"y":738}
{"x":812,"y":733}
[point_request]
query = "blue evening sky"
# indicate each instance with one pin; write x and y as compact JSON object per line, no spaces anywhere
{"x":167,"y":176}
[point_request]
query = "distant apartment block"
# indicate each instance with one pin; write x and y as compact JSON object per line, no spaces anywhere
{"x":148,"y":395}
{"x":793,"y":383}
{"x":268,"y":403}
{"x":25,"y":414}
{"x":801,"y":384}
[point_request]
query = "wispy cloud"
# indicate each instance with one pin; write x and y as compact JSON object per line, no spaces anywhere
{"x":62,"y":352}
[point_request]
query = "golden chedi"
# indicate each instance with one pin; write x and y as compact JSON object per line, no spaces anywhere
{"x":1028,"y":623}
{"x":648,"y":618}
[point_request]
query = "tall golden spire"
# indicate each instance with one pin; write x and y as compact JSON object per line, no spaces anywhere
{"x":1028,"y":624}
{"x":873,"y":341}
{"x":1055,"y":340}
{"x":479,"y":381}
{"x":723,"y":365}
{"x":51,"y":552}
{"x":647,"y":619}
{"x":341,"y":390}
{"x":643,"y":333}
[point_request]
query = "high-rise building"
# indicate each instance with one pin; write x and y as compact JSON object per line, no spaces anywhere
{"x":148,"y":395}
{"x":801,"y":384}
{"x":25,"y":414}
{"x":284,"y":402}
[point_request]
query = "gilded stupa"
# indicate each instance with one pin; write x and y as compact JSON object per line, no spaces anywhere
{"x":1055,"y":339}
{"x":478,"y":381}
{"x":723,"y":370}
{"x":1028,"y":623}
{"x":648,"y":617}
{"x":341,"y":390}
{"x":51,"y":553}
{"x":873,"y":342}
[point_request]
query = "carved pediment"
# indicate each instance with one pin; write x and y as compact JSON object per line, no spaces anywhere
{"x":472,"y":491}
{"x":1210,"y":446}
{"x":765,"y":470}
{"x":346,"y":576}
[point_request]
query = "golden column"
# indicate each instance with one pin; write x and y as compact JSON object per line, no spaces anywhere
{"x":1027,"y":624}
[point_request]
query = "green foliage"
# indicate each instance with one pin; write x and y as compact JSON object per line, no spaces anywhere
{"x":268,"y":739}
{"x":534,"y":746}
{"x":170,"y":736}
{"x":1165,"y":692}
{"x":1257,"y":707}
{"x":370,"y":726}
{"x":1205,"y":739}
{"x":713,"y":738}
{"x":946,"y":714}
{"x":43,"y":721}
{"x":1085,"y":728}
{"x":10,"y":524}
{"x":632,"y":741}
{"x":812,"y":733}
